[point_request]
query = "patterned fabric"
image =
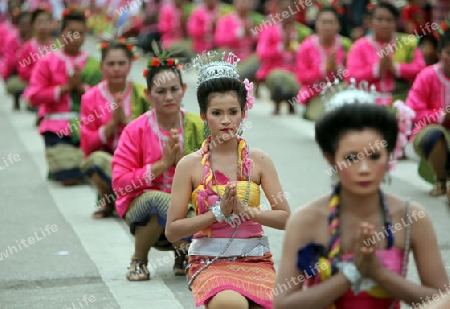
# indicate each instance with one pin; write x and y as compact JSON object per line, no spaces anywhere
{"x":248,"y":67}
{"x":99,"y":162}
{"x":63,"y":157}
{"x":237,"y":274}
{"x":423,"y":142}
{"x":252,"y":277}
{"x":283,"y":85}
{"x":15,"y":85}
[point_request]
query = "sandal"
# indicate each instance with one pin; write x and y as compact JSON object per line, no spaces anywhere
{"x":103,"y":213}
{"x":179,"y":267}
{"x":439,"y":188}
{"x":138,"y":271}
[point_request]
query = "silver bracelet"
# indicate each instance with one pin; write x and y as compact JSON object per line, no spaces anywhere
{"x":352,"y":274}
{"x":217,"y":212}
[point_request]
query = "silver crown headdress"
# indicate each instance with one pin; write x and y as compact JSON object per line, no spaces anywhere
{"x":338,"y":94}
{"x":214,"y":65}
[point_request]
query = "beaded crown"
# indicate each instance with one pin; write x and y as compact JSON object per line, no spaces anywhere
{"x":338,"y":94}
{"x":213,"y":65}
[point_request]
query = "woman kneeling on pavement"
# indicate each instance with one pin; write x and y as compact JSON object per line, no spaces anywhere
{"x":144,"y":163}
{"x":105,"y":111}
{"x":350,"y":248}
{"x":230,"y":263}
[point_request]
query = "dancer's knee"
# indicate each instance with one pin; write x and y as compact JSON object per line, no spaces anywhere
{"x":228,"y":300}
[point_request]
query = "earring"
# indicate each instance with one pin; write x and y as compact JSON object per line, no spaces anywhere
{"x":334,"y":180}
{"x":205,"y":129}
{"x":387,"y":176}
{"x":240,"y":130}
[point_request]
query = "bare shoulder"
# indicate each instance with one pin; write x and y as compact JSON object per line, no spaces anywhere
{"x":309,"y":217}
{"x":259,"y":155}
{"x":397,"y":207}
{"x":191,"y":160}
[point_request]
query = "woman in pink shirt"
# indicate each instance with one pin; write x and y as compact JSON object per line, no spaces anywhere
{"x":105,"y":111}
{"x":202,"y":25}
{"x":236,"y":32}
{"x":429,"y":97}
{"x":9,"y":63}
{"x":144,"y":162}
{"x":320,"y":60}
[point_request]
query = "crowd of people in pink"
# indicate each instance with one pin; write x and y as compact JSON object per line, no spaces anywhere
{"x":362,"y":71}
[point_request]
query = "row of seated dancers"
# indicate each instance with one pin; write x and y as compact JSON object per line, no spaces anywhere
{"x":137,"y":144}
{"x":297,"y":71}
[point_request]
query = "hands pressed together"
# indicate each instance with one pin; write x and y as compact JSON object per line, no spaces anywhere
{"x":230,"y":203}
{"x":119,"y":115}
{"x":172,"y":153}
{"x":364,"y":250}
{"x":75,"y":83}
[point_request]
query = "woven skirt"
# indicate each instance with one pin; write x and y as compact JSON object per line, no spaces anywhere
{"x":63,"y":157}
{"x":283,"y":85}
{"x":252,"y":277}
{"x":424,"y":141}
{"x":15,"y":85}
{"x":98,"y":162}
{"x":148,"y":204}
{"x":248,"y":67}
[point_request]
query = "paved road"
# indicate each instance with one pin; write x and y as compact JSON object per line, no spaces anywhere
{"x":54,"y":256}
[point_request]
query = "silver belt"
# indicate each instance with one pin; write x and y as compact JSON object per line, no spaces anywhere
{"x":62,"y":116}
{"x":238,"y":247}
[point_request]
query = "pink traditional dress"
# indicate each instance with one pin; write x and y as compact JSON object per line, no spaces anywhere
{"x":139,"y":193}
{"x":200,"y":28}
{"x":172,"y":30}
{"x":363,"y":65}
{"x":278,"y":67}
{"x":247,"y":266}
{"x":6,"y":27}
{"x":169,"y":24}
{"x":429,"y":97}
{"x":230,"y":35}
{"x":97,"y":110}
{"x":313,"y":74}
{"x":8,"y":63}
{"x":61,"y":126}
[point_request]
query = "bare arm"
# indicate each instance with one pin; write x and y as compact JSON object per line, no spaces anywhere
{"x":425,"y":249}
{"x":276,"y":217}
{"x":178,"y":226}
{"x":301,"y":229}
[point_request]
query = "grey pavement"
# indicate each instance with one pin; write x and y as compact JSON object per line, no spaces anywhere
{"x":78,"y":262}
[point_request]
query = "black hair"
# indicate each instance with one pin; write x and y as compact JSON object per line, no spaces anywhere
{"x":329,"y":9}
{"x":73,"y":16}
{"x":444,"y":40}
{"x":220,"y":85}
{"x":355,"y":117}
{"x":172,"y":71}
{"x":388,"y":6}
{"x":120,"y":46}
{"x":36,"y":13}
{"x":429,"y":38}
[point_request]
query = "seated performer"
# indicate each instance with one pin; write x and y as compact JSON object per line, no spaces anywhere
{"x":57,"y":83}
{"x":276,"y":49}
{"x":320,"y":60}
{"x":236,"y":32}
{"x":333,"y":255}
{"x":144,"y":163}
{"x":429,"y":98}
{"x":202,"y":25}
{"x":7,"y":27}
{"x":9,"y":62}
{"x":389,"y":60}
{"x":105,"y":111}
{"x":223,"y":180}
{"x":36,"y":48}
{"x":172,"y":25}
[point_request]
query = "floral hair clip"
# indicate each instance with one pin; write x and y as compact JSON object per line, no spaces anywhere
{"x":441,"y":30}
{"x":370,"y":6}
{"x":73,"y":9}
{"x":250,"y":98}
{"x":44,"y":7}
{"x":121,"y":41}
{"x":161,"y":58}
